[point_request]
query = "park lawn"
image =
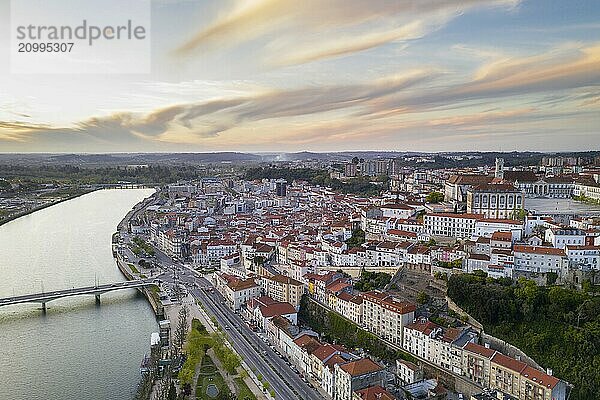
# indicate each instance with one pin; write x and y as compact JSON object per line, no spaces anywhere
{"x":210,"y":375}
{"x":133,"y":269}
{"x":244,"y":392}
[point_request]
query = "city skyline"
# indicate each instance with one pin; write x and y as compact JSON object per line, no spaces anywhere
{"x":284,"y":76}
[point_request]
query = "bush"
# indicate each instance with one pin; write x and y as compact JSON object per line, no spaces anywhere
{"x":337,"y":329}
{"x":557,"y":327}
{"x":228,"y":358}
{"x":372,"y":280}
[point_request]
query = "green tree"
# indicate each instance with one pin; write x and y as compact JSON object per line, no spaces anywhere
{"x":422,"y":297}
{"x":519,"y":214}
{"x":182,"y":327}
{"x":434,"y":197}
{"x":551,"y":278}
{"x":556,"y":326}
{"x":357,"y":238}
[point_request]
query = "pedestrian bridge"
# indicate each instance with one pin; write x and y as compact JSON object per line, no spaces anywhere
{"x":96,"y":291}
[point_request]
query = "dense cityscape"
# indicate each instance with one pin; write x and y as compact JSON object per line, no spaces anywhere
{"x":403,"y":282}
{"x":300,"y":200}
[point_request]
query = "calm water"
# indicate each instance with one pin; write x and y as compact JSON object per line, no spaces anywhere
{"x":77,"y":350}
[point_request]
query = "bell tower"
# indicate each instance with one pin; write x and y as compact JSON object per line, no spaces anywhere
{"x":499,"y":168}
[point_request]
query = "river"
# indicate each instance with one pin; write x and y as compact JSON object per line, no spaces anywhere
{"x":77,"y":350}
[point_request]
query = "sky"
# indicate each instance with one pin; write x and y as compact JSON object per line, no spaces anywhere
{"x":327,"y":75}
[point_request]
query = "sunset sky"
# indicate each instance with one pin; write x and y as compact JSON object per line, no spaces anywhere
{"x":328,"y":75}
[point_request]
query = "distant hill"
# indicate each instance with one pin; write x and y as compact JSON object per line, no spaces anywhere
{"x":440,"y":160}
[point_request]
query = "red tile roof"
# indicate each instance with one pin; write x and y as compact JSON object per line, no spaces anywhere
{"x":325,"y":351}
{"x":502,"y":236}
{"x":481,"y":350}
{"x":508,"y":362}
{"x":277,"y":309}
{"x":303,"y":339}
{"x":538,"y":250}
{"x":540,"y":377}
{"x":469,"y":179}
{"x":337,"y":286}
{"x":388,"y":302}
{"x":361,"y":367}
{"x":423,"y":326}
{"x":285,"y":279}
{"x":399,"y":232}
{"x":375,"y":393}
{"x":335,"y":359}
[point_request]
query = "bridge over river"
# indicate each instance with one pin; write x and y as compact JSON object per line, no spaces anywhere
{"x":96,"y":291}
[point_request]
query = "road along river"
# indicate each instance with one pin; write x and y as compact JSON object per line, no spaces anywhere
{"x":77,"y":350}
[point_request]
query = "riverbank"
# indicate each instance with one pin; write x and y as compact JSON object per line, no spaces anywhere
{"x":82,"y":350}
{"x":38,"y":208}
{"x":151,"y":293}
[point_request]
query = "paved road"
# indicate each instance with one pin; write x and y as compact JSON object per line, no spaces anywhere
{"x":283,"y":380}
{"x":286,"y":383}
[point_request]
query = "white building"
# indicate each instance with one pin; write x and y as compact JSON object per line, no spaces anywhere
{"x":539,"y":259}
{"x":562,"y":237}
{"x":408,"y":372}
{"x":487,"y":226}
{"x":495,"y":200}
{"x":356,"y":375}
{"x":235,"y":290}
{"x":451,"y":225}
{"x":401,"y":211}
{"x":589,"y":191}
{"x":583,"y":255}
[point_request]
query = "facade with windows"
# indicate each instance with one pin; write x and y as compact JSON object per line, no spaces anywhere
{"x":500,"y":201}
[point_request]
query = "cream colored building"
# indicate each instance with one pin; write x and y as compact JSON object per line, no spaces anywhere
{"x":385,"y":316}
{"x":284,"y":289}
{"x":356,"y":375}
{"x":235,"y":290}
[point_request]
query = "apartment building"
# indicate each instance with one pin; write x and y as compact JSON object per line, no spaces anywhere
{"x":561,"y":237}
{"x":217,"y":249}
{"x":487,"y":226}
{"x":460,"y":226}
{"x":284,"y":289}
{"x":385,"y":316}
{"x":505,"y":374}
{"x":235,"y":290}
{"x":354,"y":376}
{"x":477,"y":363}
{"x":349,"y":305}
{"x":397,"y":210}
{"x":539,"y":259}
{"x":262,"y":309}
{"x":587,"y":190}
{"x":583,"y":255}
{"x":408,"y":372}
{"x":441,"y":346}
{"x":518,"y":379}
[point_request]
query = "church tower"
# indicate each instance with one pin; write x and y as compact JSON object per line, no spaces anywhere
{"x":499,"y":168}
